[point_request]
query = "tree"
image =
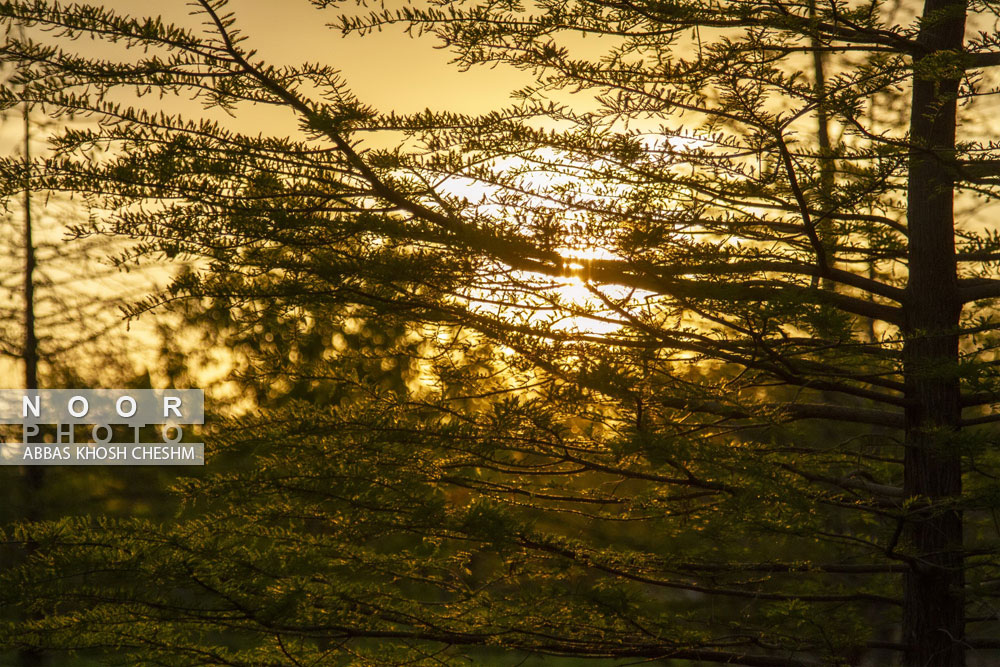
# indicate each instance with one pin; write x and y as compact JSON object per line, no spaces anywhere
{"x":660,"y":304}
{"x":61,"y":326}
{"x":59,"y":295}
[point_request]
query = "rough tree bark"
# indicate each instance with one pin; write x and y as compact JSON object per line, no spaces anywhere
{"x":933,"y":613}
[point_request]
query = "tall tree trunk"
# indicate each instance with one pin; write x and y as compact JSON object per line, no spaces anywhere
{"x":30,"y":339}
{"x":31,"y":475}
{"x":933,"y":612}
{"x":826,"y":163}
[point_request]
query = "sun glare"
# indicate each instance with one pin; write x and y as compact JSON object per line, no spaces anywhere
{"x":571,"y":302}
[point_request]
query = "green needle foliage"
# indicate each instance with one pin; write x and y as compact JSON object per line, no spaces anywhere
{"x":686,"y":355}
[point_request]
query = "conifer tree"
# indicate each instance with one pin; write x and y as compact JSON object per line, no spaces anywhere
{"x":690,"y":379}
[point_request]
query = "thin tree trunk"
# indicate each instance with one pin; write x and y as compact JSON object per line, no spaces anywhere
{"x":31,"y":475}
{"x":933,"y":611}
{"x":826,"y":163}
{"x":30,"y":339}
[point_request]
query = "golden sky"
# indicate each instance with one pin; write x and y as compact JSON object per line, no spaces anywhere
{"x":388,"y":70}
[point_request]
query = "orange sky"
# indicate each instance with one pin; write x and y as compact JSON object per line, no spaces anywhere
{"x":388,"y":70}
